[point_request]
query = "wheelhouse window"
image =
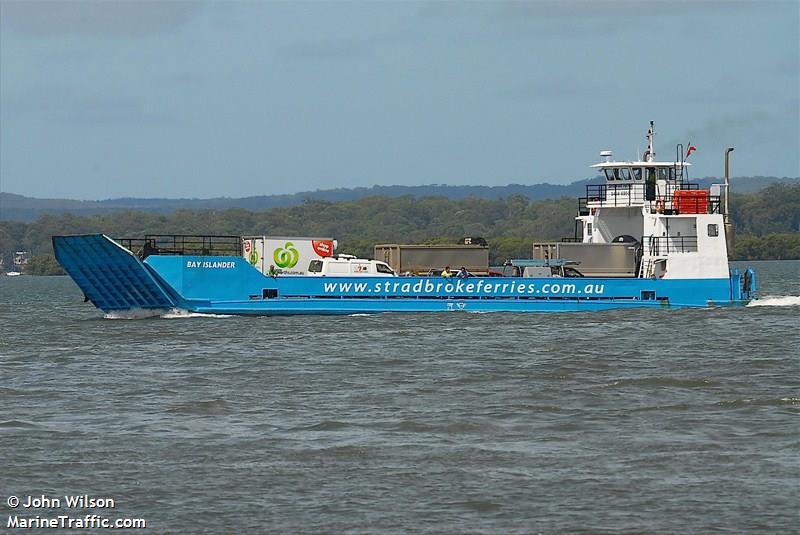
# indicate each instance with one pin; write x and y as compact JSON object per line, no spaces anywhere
{"x":663,"y":173}
{"x":611,"y":174}
{"x":315,"y":266}
{"x":713,"y":230}
{"x":636,"y":173}
{"x":624,"y":173}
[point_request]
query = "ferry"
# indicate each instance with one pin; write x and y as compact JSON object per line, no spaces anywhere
{"x":646,"y":237}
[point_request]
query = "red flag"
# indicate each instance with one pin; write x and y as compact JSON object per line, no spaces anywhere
{"x":690,"y":150}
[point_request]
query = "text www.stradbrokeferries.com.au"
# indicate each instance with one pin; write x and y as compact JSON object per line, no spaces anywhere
{"x":463,"y":288}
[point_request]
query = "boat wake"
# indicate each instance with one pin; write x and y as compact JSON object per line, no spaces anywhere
{"x":175,"y":313}
{"x":135,"y":314}
{"x":179,"y":313}
{"x":776,"y":301}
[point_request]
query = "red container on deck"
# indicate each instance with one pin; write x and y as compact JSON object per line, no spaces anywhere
{"x":690,"y":201}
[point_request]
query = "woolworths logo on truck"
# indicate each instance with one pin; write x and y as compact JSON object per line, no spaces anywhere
{"x":287,"y":256}
{"x":251,"y":252}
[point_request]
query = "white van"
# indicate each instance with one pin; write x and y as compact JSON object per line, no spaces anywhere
{"x":343,"y":265}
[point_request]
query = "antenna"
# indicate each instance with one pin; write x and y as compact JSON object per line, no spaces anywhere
{"x":679,"y":162}
{"x":651,"y":134}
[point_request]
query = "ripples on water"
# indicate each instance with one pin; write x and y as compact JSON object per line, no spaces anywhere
{"x":620,"y":421}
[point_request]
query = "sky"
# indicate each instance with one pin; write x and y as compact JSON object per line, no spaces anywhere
{"x":105,"y":99}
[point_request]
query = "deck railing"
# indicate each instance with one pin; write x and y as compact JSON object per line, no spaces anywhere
{"x":183,"y":244}
{"x":614,"y":195}
{"x":623,"y":195}
{"x":666,"y":245}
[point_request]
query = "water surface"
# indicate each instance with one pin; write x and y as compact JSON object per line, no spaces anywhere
{"x":635,"y":421}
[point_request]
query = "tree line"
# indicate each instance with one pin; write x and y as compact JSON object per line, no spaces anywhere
{"x":767,"y":224}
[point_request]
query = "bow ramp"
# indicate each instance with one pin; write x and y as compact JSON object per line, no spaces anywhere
{"x":111,"y":276}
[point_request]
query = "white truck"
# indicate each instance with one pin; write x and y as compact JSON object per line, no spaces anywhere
{"x":343,"y":265}
{"x":289,"y":255}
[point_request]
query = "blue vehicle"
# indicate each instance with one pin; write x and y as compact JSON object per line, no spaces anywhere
{"x":647,"y":237}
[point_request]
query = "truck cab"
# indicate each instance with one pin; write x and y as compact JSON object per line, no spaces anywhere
{"x":342,"y":265}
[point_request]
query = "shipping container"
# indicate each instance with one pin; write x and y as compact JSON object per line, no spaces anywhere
{"x":422,"y":259}
{"x":593,"y":259}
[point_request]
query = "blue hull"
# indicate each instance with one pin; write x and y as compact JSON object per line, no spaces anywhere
{"x":113,"y":279}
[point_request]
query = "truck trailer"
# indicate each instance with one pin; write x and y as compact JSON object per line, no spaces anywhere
{"x":289,"y":255}
{"x":424,"y":259}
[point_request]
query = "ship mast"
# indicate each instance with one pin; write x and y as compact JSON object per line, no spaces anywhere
{"x":651,"y":151}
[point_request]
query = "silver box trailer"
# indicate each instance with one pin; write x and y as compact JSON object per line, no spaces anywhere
{"x":420,"y":259}
{"x":595,"y":259}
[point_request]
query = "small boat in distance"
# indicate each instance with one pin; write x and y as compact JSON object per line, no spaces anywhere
{"x":646,"y":237}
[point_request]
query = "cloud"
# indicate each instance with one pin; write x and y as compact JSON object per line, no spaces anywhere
{"x":788,"y":65}
{"x":95,"y":17}
{"x":326,"y":50}
{"x":587,"y":9}
{"x":560,"y":87}
{"x":73,"y":107}
{"x":343,"y":48}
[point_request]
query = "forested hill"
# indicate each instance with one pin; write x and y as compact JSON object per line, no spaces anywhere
{"x":767,"y":224}
{"x":19,"y":208}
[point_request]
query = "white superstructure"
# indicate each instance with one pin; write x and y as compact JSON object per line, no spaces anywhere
{"x":678,"y":229}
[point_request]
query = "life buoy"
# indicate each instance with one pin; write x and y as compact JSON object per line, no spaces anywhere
{"x":660,"y":206}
